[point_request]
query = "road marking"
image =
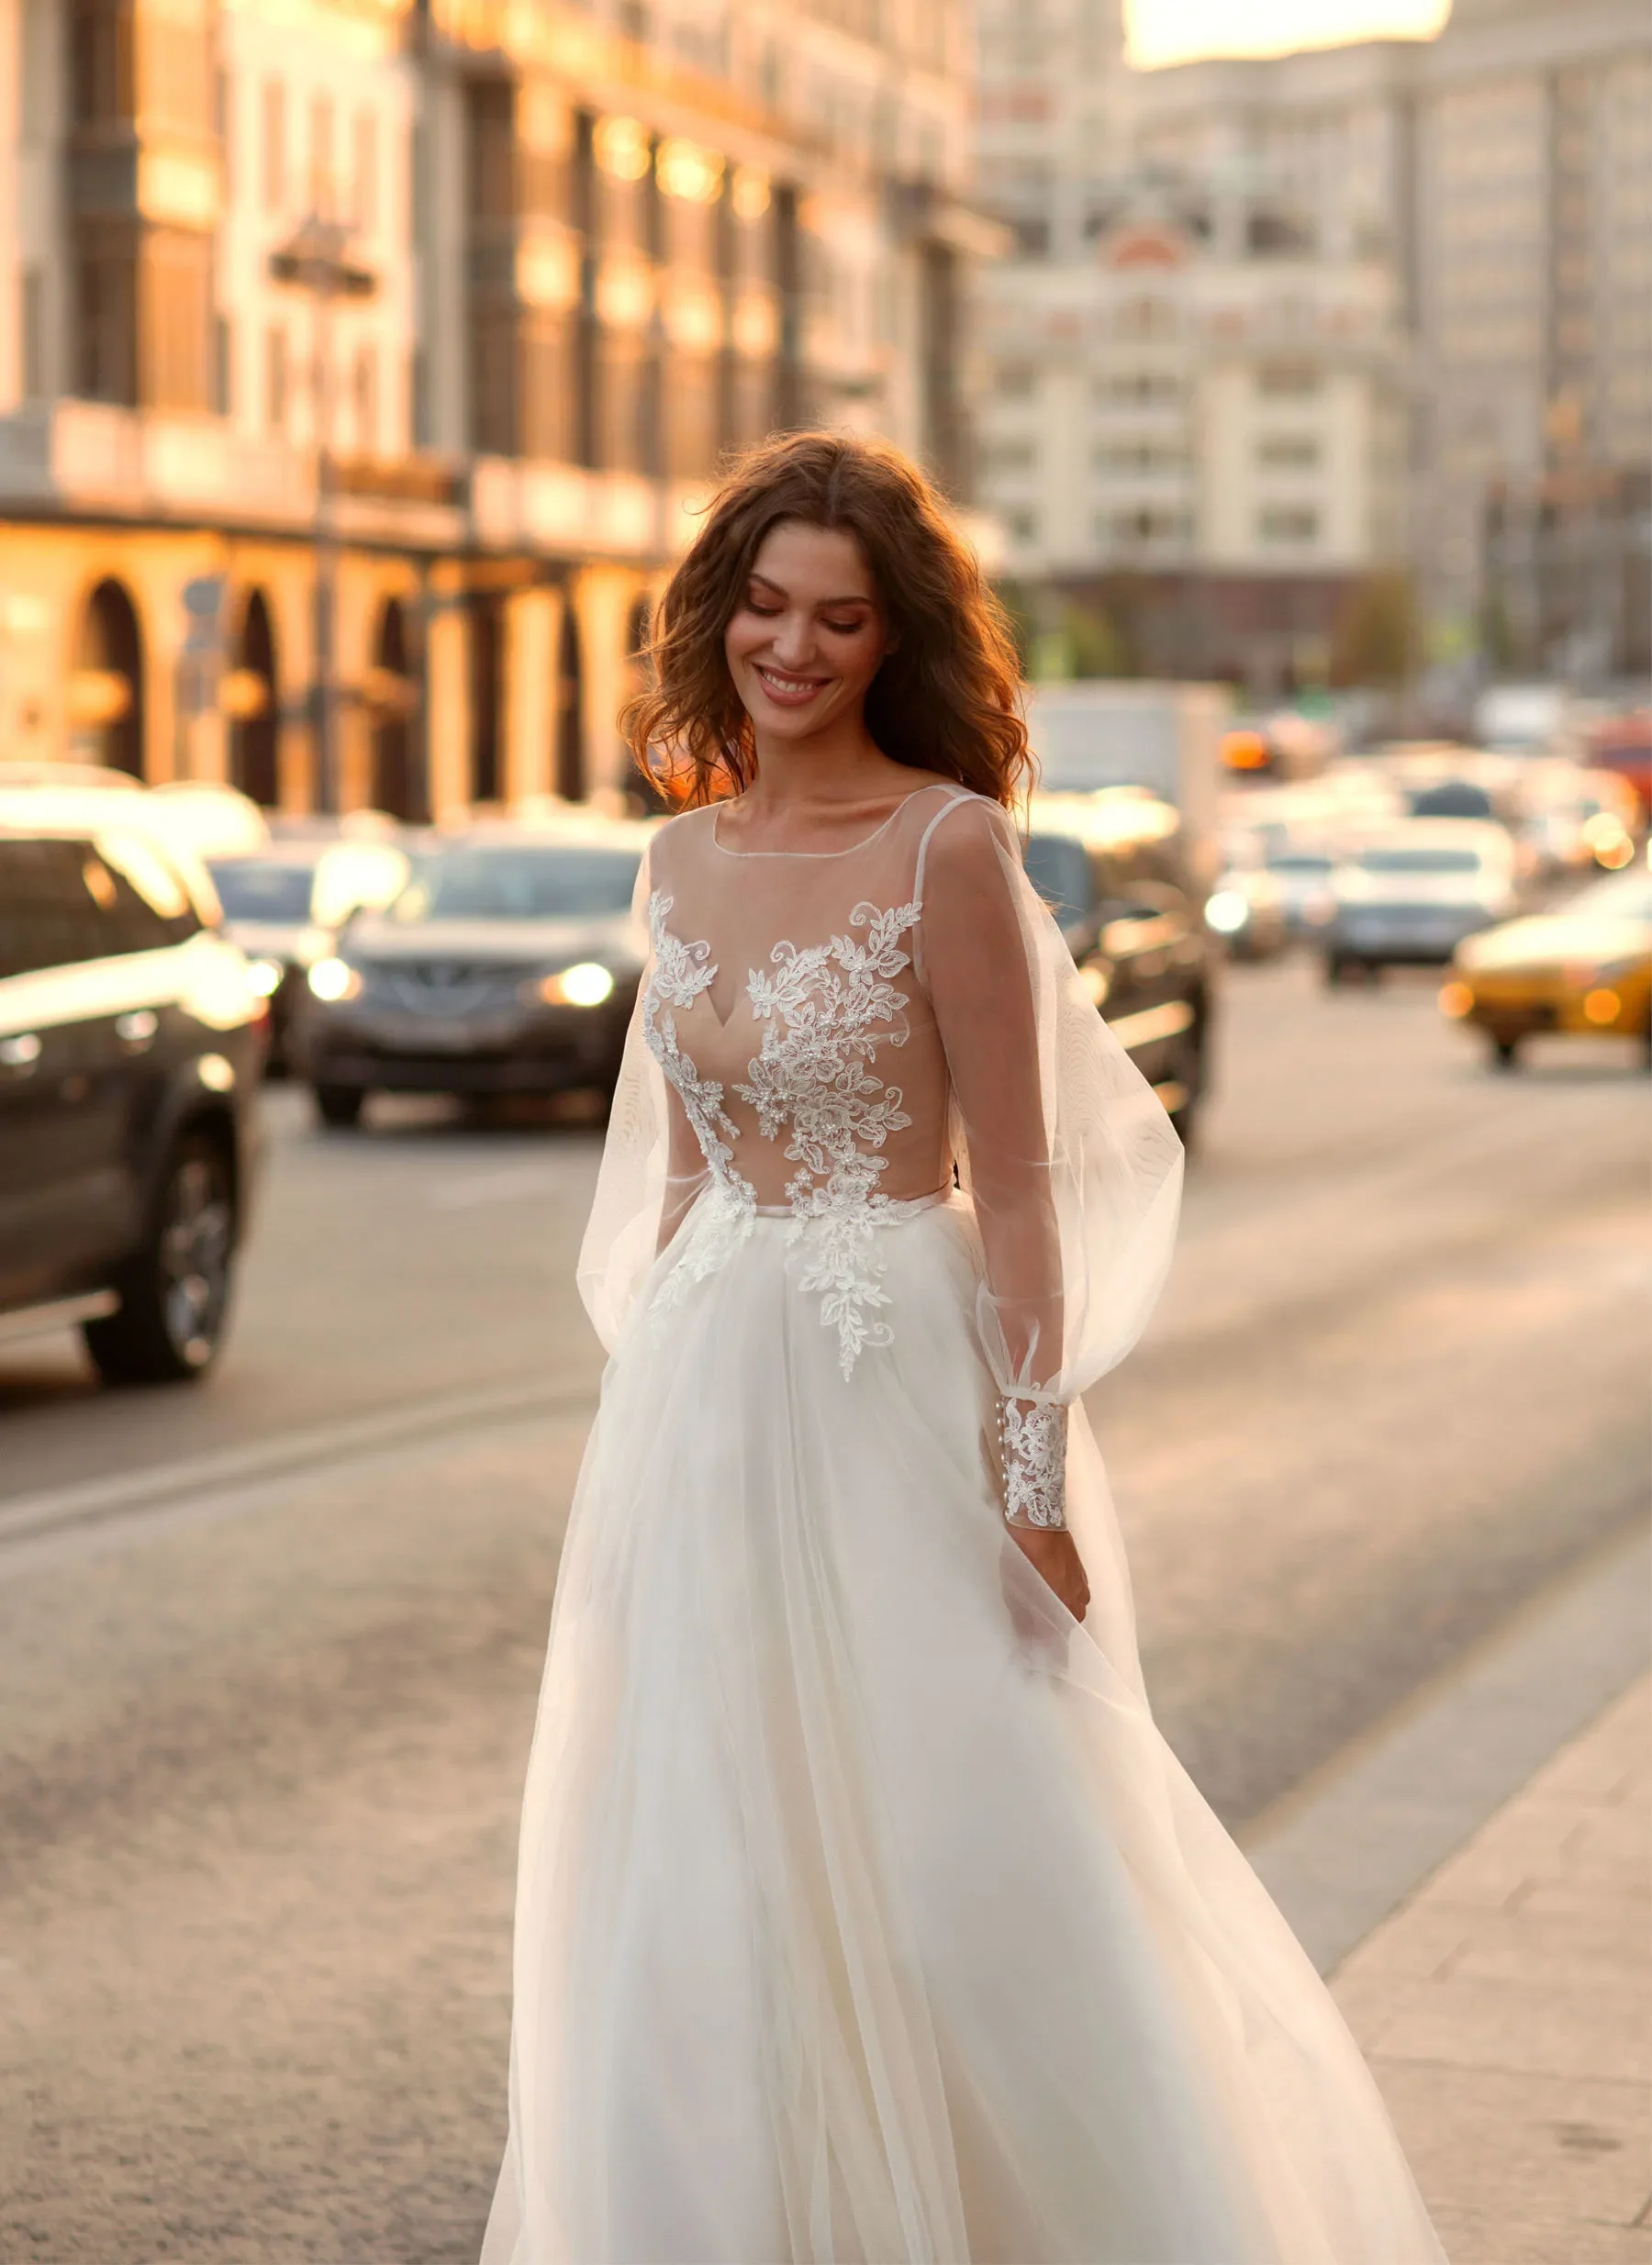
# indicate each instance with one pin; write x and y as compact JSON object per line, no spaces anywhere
{"x":348,"y":1440}
{"x":1361,"y":1835}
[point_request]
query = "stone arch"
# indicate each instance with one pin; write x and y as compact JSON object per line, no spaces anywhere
{"x":107,"y":686}
{"x":398,"y":784}
{"x":570,"y":779}
{"x":488,"y":704}
{"x":255,"y":715}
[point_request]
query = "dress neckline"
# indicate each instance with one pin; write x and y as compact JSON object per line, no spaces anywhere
{"x":866,"y":840}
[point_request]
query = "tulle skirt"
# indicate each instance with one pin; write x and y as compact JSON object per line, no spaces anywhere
{"x":864,"y":1917}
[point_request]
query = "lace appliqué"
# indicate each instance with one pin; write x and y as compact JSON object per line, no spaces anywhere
{"x":826,"y":1011}
{"x":1032,"y":1441}
{"x":681,"y":972}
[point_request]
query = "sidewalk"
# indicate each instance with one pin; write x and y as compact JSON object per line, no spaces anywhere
{"x":1506,"y":2011}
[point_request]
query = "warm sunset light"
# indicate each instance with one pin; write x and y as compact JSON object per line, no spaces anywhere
{"x":1174,"y":32}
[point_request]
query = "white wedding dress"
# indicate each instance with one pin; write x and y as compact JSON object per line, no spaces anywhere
{"x":863,"y":1916}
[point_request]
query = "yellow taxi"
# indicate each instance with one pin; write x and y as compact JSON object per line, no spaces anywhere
{"x":1585,"y":967}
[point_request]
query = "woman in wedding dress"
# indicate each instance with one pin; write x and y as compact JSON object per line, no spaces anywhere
{"x":863,"y":1916}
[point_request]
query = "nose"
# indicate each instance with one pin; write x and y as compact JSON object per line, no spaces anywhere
{"x":794,"y":640}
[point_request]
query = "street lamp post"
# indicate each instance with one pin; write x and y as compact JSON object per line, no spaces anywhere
{"x":317,"y":260}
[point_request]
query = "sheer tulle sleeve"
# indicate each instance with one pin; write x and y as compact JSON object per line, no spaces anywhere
{"x":651,"y":1169}
{"x":1073,"y":1166}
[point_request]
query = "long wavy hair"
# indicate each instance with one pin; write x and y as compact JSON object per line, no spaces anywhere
{"x":946,"y":698}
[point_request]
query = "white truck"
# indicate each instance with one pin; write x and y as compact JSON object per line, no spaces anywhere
{"x":1164,"y":737}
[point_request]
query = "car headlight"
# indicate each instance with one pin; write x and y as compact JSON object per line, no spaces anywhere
{"x":333,"y":980}
{"x":586,"y":983}
{"x":1226,"y":911}
{"x":264,"y":976}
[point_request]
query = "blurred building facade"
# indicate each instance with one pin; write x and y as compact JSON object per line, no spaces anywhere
{"x":1504,"y":172}
{"x":449,"y":305}
{"x":1195,"y":428}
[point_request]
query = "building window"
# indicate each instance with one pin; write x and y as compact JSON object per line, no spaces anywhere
{"x":1010,"y":456}
{"x":1022,"y":526}
{"x":1289,"y":451}
{"x":1288,"y":527}
{"x":1139,"y":388}
{"x":364,"y":202}
{"x":101,"y":62}
{"x":1287,"y":381}
{"x":1015,"y":381}
{"x":177,"y":369}
{"x":1140,"y":456}
{"x":322,"y":154}
{"x":275,"y":146}
{"x":1130,"y":529}
{"x":223,"y":371}
{"x":365,"y":386}
{"x":105,"y":324}
{"x":1145,"y":317}
{"x":34,"y":334}
{"x":277,"y":387}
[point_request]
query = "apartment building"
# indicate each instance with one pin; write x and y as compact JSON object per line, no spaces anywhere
{"x":1196,"y":427}
{"x":1504,"y":169}
{"x":363,"y":361}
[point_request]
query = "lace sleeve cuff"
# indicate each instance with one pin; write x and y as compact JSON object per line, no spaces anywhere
{"x":1033,"y":1445}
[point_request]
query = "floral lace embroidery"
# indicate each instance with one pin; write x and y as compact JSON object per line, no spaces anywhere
{"x":826,"y":1009}
{"x":825,"y":1013}
{"x":681,"y":972}
{"x":1033,"y":1438}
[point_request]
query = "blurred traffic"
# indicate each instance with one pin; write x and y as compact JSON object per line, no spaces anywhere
{"x":167,"y":948}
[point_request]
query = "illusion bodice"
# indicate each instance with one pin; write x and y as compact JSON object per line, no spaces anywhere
{"x":843,"y":1036}
{"x":785,"y":1007}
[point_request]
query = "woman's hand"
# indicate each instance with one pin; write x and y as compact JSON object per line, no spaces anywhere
{"x":1053,"y":1554}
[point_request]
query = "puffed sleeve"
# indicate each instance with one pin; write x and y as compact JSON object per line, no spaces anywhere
{"x":628,"y":1210}
{"x":1071,"y":1161}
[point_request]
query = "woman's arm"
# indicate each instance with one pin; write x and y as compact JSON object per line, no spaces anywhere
{"x":982,"y":987}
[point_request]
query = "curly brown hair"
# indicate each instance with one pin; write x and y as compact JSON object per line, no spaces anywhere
{"x":946,"y":698}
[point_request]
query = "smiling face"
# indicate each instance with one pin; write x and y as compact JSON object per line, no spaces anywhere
{"x":808,"y":634}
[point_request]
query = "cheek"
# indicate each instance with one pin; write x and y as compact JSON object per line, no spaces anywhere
{"x":863,"y":656}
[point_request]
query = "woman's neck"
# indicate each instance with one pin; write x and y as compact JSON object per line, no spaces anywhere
{"x":842,"y":766}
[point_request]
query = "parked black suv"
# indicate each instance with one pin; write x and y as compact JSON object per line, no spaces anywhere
{"x":130,"y":1052}
{"x":1115,"y":872}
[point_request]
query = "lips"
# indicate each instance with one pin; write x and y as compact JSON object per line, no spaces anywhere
{"x":788,"y":691}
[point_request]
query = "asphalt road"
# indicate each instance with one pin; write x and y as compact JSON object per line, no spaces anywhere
{"x":267,"y":1650}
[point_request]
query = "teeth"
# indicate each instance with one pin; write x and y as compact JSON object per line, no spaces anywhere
{"x":787,"y":684}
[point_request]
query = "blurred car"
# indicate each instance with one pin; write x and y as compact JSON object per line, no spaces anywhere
{"x":284,"y":905}
{"x":130,"y":1047}
{"x":1113,"y":869}
{"x":1585,"y":968}
{"x":1586,"y":819}
{"x":508,"y":964}
{"x":1246,"y":908}
{"x":1411,"y":896}
{"x":1303,"y":870}
{"x":1622,"y":744}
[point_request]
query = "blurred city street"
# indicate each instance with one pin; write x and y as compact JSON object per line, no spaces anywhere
{"x":268,"y":1651}
{"x":369,"y":368}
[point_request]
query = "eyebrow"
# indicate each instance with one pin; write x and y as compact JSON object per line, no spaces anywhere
{"x":856,"y":597}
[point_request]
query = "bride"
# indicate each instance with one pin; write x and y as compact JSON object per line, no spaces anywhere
{"x":863,"y":1916}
